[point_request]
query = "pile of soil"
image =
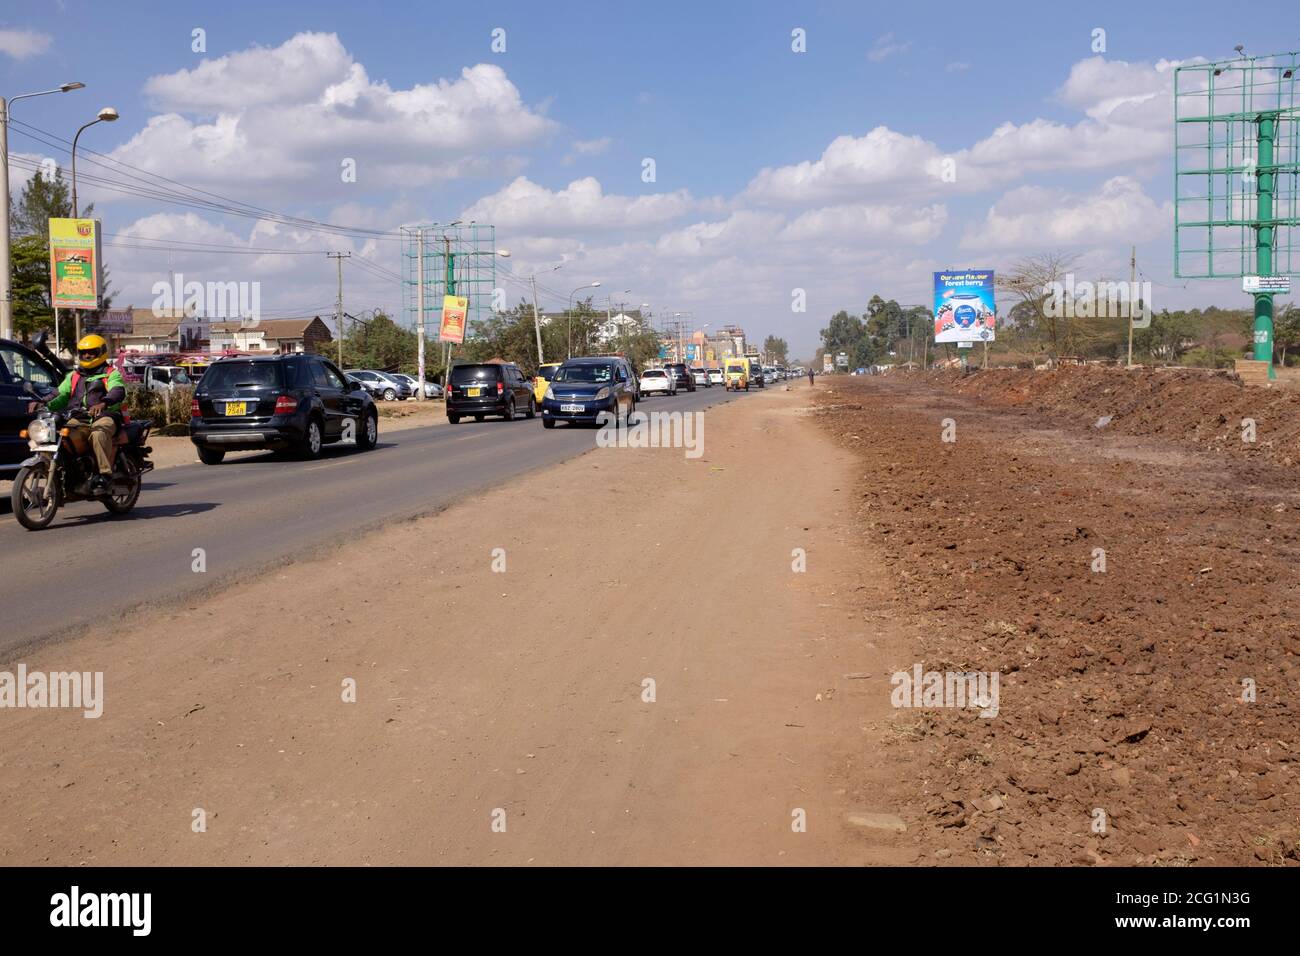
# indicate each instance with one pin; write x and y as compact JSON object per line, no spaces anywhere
{"x":1197,"y":408}
{"x":1127,"y":730}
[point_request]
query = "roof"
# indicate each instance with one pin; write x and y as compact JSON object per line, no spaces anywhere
{"x":148,"y":325}
{"x":270,"y":328}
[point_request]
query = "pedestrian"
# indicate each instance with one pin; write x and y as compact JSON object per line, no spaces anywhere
{"x":810,"y":377}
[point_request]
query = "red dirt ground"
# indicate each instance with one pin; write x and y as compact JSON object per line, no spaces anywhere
{"x":1122,"y":690}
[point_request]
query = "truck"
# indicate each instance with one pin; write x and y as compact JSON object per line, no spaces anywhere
{"x":165,"y":378}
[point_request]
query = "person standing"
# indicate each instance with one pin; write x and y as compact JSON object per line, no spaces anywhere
{"x":810,"y":376}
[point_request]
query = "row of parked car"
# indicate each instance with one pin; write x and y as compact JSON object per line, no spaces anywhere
{"x":391,"y":386}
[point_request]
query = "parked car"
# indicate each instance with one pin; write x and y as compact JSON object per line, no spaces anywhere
{"x":382,"y":385}
{"x":701,"y":377}
{"x":25,"y":374}
{"x":658,"y":380}
{"x":431,"y":389}
{"x":543,"y":379}
{"x":489,"y":388}
{"x":297,"y":403}
{"x":716,"y":377}
{"x":682,"y":374}
{"x":585,"y":389}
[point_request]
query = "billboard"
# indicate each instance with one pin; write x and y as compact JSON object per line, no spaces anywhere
{"x":452,"y":327}
{"x":76,"y":264}
{"x":827,"y":363}
{"x":964,"y":307}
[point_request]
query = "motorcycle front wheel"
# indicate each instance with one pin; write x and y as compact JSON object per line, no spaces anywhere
{"x":35,"y":498}
{"x":124,"y":488}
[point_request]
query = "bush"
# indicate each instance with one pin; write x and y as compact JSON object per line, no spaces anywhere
{"x":164,"y":408}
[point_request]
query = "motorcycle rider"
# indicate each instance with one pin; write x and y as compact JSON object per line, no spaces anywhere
{"x":95,"y":390}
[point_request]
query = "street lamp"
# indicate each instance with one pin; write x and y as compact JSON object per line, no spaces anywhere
{"x":6,"y":110}
{"x":106,"y":115}
{"x":590,"y":285}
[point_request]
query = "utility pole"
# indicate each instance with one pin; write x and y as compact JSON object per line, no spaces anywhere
{"x":340,"y":256}
{"x":1132,"y":290}
{"x":537,"y":322}
{"x":6,"y":294}
{"x":419,"y":316}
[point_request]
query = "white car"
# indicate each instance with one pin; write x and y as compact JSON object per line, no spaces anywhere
{"x":431,"y":389}
{"x":658,"y":380}
{"x":716,"y":377}
{"x":701,"y":377}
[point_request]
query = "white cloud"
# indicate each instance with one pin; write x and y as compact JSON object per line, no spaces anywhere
{"x":22,"y":44}
{"x":581,"y":207}
{"x":1032,"y":218}
{"x":288,"y":116}
{"x":885,"y":47}
{"x":587,"y":147}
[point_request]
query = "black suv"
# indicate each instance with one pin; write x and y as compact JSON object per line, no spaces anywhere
{"x":489,"y":388}
{"x":25,"y":374}
{"x":297,"y":403}
{"x":679,"y":371}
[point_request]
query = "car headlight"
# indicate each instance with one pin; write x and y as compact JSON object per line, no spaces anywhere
{"x":41,"y":431}
{"x":602,"y":394}
{"x":549,"y":393}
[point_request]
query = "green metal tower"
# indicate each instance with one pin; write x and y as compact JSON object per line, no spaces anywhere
{"x":1236,"y":161}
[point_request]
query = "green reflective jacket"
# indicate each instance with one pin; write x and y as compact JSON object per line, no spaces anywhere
{"x":91,"y":390}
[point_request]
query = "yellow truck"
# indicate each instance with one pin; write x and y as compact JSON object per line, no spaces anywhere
{"x":736,"y":373}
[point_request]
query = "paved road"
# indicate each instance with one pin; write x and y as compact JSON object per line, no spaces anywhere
{"x":252,"y":514}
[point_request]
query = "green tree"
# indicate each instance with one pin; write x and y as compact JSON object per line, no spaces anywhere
{"x":777,"y":349}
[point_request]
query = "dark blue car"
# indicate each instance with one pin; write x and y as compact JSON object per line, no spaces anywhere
{"x":584,"y":389}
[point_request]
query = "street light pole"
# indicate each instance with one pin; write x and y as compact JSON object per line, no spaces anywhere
{"x":569,"y":313}
{"x":106,"y":115}
{"x":6,"y":293}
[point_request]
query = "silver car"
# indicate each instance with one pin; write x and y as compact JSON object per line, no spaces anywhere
{"x":381,"y":384}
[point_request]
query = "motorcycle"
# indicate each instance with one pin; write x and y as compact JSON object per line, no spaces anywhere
{"x":62,"y":466}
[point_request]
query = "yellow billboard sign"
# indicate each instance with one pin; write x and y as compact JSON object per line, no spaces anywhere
{"x":452,"y":327}
{"x":76,"y":264}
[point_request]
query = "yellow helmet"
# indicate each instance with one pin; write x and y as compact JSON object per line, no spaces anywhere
{"x":92,"y":353}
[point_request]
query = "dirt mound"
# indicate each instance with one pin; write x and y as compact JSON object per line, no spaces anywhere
{"x":1138,"y":602}
{"x":1201,"y":409}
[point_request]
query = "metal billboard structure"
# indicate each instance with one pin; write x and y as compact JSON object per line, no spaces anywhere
{"x":1236,"y":162}
{"x":440,"y":260}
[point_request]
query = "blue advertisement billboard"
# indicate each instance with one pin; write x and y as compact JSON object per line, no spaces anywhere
{"x":964,"y":306}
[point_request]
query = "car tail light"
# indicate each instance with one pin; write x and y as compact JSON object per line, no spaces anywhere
{"x":285,"y":405}
{"x":500,"y":388}
{"x":194,"y":408}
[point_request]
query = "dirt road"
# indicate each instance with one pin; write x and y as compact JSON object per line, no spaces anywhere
{"x":515,"y":697}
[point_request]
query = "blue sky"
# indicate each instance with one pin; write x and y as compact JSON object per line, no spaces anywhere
{"x":584,"y":92}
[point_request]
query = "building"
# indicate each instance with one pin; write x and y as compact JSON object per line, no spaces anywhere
{"x":151,"y":332}
{"x":283,"y":336}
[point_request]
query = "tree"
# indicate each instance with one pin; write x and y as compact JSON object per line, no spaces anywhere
{"x":42,"y":199}
{"x":777,"y":349}
{"x":1030,"y":280}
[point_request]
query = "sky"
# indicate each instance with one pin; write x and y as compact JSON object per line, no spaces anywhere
{"x":900,"y":140}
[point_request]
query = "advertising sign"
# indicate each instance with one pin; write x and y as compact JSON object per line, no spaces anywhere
{"x":964,"y":307}
{"x":690,"y":353}
{"x":1278,"y":284}
{"x":76,"y":266}
{"x":452,"y":327}
{"x":827,"y":363}
{"x":842,"y":360}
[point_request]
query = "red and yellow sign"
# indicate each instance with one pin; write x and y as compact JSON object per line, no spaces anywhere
{"x":452,"y":328}
{"x":76,"y":265}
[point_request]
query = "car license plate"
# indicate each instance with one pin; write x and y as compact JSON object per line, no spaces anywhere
{"x":573,"y":408}
{"x":473,"y":392}
{"x":236,"y":408}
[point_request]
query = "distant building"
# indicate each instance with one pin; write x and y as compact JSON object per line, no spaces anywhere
{"x":284,"y":336}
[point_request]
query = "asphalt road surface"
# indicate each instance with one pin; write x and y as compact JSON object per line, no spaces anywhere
{"x":251,"y":515}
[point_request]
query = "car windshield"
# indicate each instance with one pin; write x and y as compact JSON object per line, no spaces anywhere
{"x":179,"y":377}
{"x":584,"y":373}
{"x":242,"y":374}
{"x":548,"y":372}
{"x":653,"y":373}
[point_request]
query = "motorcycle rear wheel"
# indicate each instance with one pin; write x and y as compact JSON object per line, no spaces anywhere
{"x":121,"y":504}
{"x":34,"y":498}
